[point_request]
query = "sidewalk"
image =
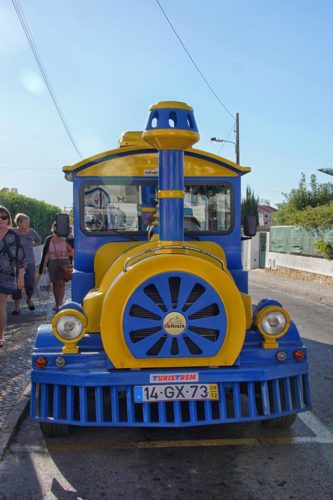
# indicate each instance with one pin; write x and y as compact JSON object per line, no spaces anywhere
{"x":15,"y":363}
{"x":319,"y":292}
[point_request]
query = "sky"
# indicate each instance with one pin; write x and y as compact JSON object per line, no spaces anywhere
{"x":109,"y":60}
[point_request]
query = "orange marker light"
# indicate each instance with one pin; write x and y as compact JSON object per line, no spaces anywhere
{"x":299,"y":355}
{"x":41,"y":362}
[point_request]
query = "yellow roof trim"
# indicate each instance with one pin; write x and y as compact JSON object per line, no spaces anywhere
{"x":122,"y":163}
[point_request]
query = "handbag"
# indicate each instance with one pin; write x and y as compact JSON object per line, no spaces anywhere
{"x":66,"y":270}
{"x":43,"y":286}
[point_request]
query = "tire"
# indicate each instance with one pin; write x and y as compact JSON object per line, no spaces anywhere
{"x":54,"y":430}
{"x":279,"y":422}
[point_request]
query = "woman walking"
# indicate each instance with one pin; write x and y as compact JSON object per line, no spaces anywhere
{"x":11,"y":266}
{"x":28,"y":238}
{"x":58,"y":253}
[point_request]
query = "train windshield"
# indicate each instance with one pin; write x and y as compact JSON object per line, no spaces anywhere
{"x":131,"y":207}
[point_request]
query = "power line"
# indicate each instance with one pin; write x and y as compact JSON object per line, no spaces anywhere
{"x":26,"y":29}
{"x":226,"y":139}
{"x":193,"y":62}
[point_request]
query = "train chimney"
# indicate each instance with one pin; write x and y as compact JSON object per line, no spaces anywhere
{"x":171,"y":129}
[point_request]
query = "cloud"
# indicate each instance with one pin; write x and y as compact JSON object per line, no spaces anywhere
{"x":90,"y":144}
{"x":32,"y":82}
{"x":12,"y":38}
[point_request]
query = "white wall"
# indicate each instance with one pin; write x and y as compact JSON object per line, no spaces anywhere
{"x":250,"y":253}
{"x":300,"y":263}
{"x":250,"y":257}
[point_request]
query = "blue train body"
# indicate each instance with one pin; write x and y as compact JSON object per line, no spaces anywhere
{"x":161,"y":330}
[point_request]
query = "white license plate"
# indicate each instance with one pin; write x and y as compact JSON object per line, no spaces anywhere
{"x":175,"y":392}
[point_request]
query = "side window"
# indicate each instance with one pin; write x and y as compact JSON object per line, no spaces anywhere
{"x":207,"y":208}
{"x":111,"y":206}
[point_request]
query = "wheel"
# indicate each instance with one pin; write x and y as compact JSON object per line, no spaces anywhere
{"x":279,"y":422}
{"x":54,"y":430}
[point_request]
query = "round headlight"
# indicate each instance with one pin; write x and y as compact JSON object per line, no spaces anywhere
{"x":69,"y":327}
{"x":274,"y":323}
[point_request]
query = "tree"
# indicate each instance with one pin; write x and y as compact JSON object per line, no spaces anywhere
{"x":249,"y":205}
{"x":309,"y":207}
{"x":318,"y":194}
{"x":41,"y":214}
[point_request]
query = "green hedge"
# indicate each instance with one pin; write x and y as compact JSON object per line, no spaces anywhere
{"x":41,"y":214}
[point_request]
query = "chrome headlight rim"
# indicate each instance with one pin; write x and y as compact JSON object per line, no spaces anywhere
{"x":78,"y":320}
{"x":265,"y":318}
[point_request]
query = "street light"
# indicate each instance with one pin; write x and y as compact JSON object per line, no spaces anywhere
{"x":328,"y":171}
{"x":215,"y":139}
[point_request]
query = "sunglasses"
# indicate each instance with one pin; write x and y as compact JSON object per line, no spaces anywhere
{"x":4,"y":217}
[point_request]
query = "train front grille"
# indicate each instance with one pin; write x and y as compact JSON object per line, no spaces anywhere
{"x":115,"y":406}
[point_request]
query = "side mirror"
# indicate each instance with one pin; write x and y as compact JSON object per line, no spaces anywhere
{"x":62,"y":221}
{"x":250,"y":225}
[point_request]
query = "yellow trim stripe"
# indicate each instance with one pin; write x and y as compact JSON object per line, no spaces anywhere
{"x":171,"y":193}
{"x":147,"y":209}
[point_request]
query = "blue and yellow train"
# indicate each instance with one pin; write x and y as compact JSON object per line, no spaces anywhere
{"x":161,"y":330}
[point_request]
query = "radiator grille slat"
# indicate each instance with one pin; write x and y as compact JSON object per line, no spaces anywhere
{"x":207,"y":411}
{"x":265,"y":398}
{"x":277,"y":396}
{"x":287,"y":392}
{"x":70,"y":403}
{"x":44,"y":401}
{"x":298,"y":390}
{"x":115,"y":406}
{"x":99,"y":404}
{"x":237,"y":400}
{"x":222,"y":403}
{"x":251,"y":400}
{"x":146,"y":413}
{"x":83,"y":405}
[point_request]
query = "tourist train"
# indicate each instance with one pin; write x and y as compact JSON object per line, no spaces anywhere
{"x":160,"y":330}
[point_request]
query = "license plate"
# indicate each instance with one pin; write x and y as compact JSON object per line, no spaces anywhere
{"x":175,"y":392}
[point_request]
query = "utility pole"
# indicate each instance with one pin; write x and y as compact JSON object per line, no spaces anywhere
{"x":236,"y":142}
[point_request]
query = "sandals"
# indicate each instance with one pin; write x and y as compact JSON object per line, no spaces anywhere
{"x":31,"y":306}
{"x":15,"y":313}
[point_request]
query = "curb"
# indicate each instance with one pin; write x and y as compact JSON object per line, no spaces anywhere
{"x":13,"y":420}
